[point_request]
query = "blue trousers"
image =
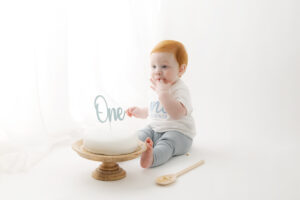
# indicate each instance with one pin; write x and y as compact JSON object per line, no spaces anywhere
{"x":166,"y":144}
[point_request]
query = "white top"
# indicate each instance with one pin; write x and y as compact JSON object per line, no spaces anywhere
{"x":159,"y":119}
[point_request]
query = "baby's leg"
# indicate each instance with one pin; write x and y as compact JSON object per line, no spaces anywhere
{"x":147,"y":135}
{"x":171,"y":143}
{"x":143,"y":134}
{"x":147,"y":156}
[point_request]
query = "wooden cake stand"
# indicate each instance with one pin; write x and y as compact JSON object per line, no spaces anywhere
{"x":109,"y":170}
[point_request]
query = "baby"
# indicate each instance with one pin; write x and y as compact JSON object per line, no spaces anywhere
{"x":171,"y":127}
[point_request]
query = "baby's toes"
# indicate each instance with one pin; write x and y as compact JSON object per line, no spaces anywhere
{"x":149,"y":142}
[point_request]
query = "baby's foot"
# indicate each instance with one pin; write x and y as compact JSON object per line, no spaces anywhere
{"x":147,"y":156}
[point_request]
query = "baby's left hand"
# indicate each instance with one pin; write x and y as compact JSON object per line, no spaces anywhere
{"x":160,"y":86}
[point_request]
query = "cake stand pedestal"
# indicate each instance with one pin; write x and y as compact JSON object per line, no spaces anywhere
{"x":109,"y":170}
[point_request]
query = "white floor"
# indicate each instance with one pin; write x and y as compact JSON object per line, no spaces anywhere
{"x":233,"y":172}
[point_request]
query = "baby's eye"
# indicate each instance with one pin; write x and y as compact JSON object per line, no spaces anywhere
{"x":153,"y":66}
{"x":164,"y":66}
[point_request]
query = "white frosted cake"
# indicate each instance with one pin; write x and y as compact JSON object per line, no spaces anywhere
{"x":110,"y":143}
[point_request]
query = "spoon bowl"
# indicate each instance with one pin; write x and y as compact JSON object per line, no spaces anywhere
{"x":166,"y":179}
{"x":171,"y":178}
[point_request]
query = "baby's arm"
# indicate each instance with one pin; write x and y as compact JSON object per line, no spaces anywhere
{"x":173,"y":107}
{"x":137,"y":112}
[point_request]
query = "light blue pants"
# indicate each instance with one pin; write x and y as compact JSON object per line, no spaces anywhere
{"x":166,"y":144}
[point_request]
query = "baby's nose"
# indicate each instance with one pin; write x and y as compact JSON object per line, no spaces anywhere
{"x":158,"y":70}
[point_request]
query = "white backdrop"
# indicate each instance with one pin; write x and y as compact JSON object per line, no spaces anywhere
{"x":243,"y":65}
{"x":57,"y":56}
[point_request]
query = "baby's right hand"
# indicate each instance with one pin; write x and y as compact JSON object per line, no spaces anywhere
{"x":132,"y":111}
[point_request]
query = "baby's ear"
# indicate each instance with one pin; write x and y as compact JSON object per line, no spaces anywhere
{"x":182,"y":69}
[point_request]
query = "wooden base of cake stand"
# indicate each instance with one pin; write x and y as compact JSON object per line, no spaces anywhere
{"x":109,"y":170}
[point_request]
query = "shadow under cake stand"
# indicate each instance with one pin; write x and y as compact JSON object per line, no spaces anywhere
{"x":109,"y":170}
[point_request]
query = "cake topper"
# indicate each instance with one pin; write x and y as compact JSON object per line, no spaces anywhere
{"x":107,"y":114}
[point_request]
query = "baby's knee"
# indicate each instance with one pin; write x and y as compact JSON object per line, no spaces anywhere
{"x":141,"y":135}
{"x":144,"y":133}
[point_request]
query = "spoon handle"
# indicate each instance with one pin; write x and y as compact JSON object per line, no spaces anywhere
{"x":197,"y":164}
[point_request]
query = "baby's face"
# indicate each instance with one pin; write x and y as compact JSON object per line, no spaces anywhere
{"x":164,"y":66}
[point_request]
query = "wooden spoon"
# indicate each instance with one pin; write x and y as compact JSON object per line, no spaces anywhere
{"x":171,"y":178}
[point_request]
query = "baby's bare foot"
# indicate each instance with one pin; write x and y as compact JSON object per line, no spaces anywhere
{"x":147,"y":156}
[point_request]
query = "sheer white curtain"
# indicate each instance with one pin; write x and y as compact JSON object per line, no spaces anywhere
{"x":33,"y":82}
{"x":57,"y":56}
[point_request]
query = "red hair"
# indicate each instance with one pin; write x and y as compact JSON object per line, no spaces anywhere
{"x":175,"y":47}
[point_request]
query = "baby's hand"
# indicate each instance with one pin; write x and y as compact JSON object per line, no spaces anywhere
{"x":137,"y":112}
{"x":130,"y":111}
{"x":160,"y":86}
{"x":134,"y":111}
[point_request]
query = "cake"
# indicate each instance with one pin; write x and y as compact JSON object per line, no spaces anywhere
{"x":110,"y":142}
